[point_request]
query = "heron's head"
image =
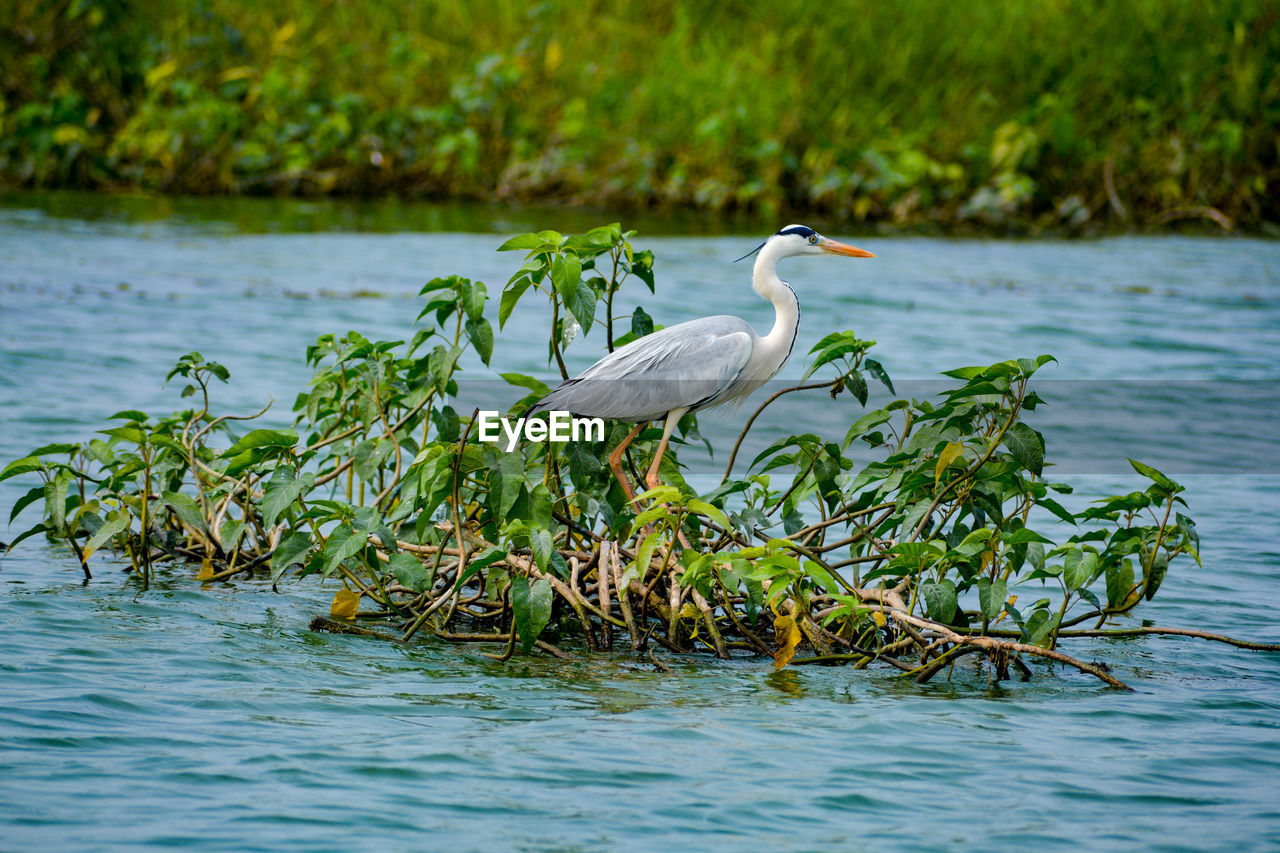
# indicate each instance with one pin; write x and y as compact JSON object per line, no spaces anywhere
{"x":803,"y":240}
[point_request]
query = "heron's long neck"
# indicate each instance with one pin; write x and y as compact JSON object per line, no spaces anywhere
{"x":786,"y":318}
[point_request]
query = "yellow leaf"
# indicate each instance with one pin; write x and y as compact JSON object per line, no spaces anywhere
{"x":878,"y":618}
{"x":66,"y":134}
{"x":554,"y":55}
{"x":240,"y":72}
{"x":787,"y":632}
{"x":345,"y":604}
{"x":206,"y":570}
{"x":284,"y":34}
{"x":948,"y":455}
{"x":161,"y":71}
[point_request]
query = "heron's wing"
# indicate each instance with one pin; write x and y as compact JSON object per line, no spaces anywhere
{"x":682,"y":366}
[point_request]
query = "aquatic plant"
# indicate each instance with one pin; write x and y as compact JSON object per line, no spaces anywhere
{"x":938,"y":548}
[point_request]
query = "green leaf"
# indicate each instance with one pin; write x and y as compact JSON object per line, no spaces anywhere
{"x":1023,"y":534}
{"x":1119,"y":583}
{"x":291,"y":551}
{"x":520,"y":380}
{"x":473,"y":296}
{"x":506,"y":478}
{"x":1026,"y":446}
{"x":940,"y":600}
{"x":439,"y":283}
{"x":823,"y":578}
{"x":992,"y":595}
{"x":230,"y":533}
{"x":510,"y":296}
{"x":133,"y":435}
{"x":578,"y":296}
{"x":185,"y":507}
{"x":55,"y":500}
{"x":1155,"y":574}
{"x":566,"y":273}
{"x":869,"y":421}
{"x":1039,"y":627}
{"x":522,"y":241}
{"x":366,"y":460}
{"x":877,"y":370}
{"x":263,"y":438}
{"x":106,"y":531}
{"x":281,"y":492}
{"x":441,"y":365}
{"x":488,"y":558}
{"x":51,"y":449}
{"x":480,"y":333}
{"x":642,"y":267}
{"x":410,"y":571}
{"x":714,"y":513}
{"x":645,"y":553}
{"x":531,"y":606}
{"x":1057,"y":509}
{"x":541,"y":506}
{"x":1152,"y":474}
{"x":641,"y":323}
{"x":442,"y":306}
{"x":1079,"y":568}
{"x":540,"y":542}
{"x":159,"y":439}
{"x":1030,"y":366}
{"x":129,"y":415}
{"x":857,"y":385}
{"x":343,"y":543}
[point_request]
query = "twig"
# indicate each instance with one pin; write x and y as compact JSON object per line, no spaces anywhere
{"x":1108,"y":181}
{"x":728,"y":469}
{"x":1203,"y":212}
{"x":1176,"y":632}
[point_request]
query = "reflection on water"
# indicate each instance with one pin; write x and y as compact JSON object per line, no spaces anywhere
{"x":210,"y":716}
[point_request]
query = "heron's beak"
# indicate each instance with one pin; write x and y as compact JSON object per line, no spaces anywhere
{"x":832,"y":247}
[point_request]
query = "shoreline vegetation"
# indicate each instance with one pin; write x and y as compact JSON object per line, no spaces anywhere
{"x":949,"y":545}
{"x":1070,"y":117}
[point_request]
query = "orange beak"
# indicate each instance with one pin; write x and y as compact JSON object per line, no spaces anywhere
{"x":831,"y":247}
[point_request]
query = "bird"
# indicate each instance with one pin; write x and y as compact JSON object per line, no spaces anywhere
{"x":706,"y":362}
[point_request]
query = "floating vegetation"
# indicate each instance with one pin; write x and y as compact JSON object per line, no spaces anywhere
{"x":950,"y":543}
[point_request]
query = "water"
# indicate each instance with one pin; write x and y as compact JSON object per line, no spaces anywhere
{"x":210,"y":716}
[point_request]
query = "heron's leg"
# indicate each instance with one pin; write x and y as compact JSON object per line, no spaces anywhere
{"x":673,"y":418}
{"x":615,"y":460}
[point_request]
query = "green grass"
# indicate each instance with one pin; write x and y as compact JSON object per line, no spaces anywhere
{"x":914,"y":111}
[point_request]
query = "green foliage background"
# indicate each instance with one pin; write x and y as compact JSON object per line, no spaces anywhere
{"x":1069,"y":114}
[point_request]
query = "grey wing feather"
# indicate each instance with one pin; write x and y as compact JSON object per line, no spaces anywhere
{"x":683,"y":366}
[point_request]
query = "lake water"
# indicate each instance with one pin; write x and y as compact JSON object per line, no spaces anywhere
{"x":210,"y":716}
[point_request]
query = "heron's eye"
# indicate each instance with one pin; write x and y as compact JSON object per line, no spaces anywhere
{"x":813,"y":238}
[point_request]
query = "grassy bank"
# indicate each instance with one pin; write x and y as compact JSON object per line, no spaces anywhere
{"x":1070,"y":115}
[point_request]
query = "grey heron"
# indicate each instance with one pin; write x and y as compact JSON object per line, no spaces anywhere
{"x":689,"y":366}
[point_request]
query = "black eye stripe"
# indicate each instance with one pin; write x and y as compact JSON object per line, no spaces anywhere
{"x":802,"y":230}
